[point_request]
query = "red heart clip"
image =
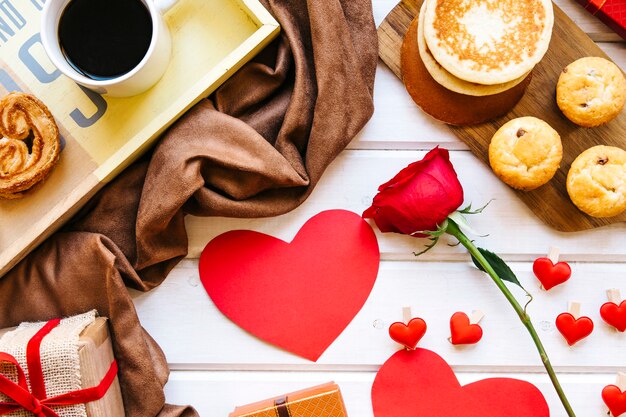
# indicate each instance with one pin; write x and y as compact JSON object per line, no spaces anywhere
{"x":464,"y":333}
{"x":408,"y":335}
{"x":615,"y":399}
{"x":572,"y":329}
{"x":549,"y":274}
{"x":614,"y":315}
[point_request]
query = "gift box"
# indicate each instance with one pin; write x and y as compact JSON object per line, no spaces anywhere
{"x":611,"y":12}
{"x":62,"y":368}
{"x":320,"y":401}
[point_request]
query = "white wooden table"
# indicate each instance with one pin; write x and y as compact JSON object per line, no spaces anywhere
{"x":216,"y":366}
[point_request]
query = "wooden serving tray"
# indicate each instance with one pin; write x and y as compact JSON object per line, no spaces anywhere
{"x":211,"y":39}
{"x":550,"y":202}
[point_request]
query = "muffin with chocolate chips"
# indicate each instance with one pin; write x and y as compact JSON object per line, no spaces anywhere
{"x":525,"y":153}
{"x":596,"y":181}
{"x":591,"y":91}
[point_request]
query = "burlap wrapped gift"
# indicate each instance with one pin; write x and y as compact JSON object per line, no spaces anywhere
{"x":320,"y":401}
{"x":76,"y":354}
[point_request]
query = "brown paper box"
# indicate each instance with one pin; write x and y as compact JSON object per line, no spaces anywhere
{"x":320,"y":401}
{"x":96,"y":354}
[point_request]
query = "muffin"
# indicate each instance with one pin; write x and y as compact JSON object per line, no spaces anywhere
{"x":591,"y":91}
{"x":596,"y":181}
{"x":525,"y":153}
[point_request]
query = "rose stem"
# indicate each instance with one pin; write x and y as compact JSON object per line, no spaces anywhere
{"x":454,"y":230}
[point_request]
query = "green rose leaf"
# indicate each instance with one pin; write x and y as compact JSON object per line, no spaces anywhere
{"x":498,"y":265}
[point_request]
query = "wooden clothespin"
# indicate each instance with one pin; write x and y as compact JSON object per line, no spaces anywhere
{"x":612,"y":313}
{"x":553,"y":254}
{"x":614,"y":296}
{"x":409,"y":333}
{"x":574,"y":307}
{"x":464,"y":333}
{"x":572,"y":326}
{"x":407,"y":315}
{"x":620,"y":383}
{"x":549,"y":271}
{"x":476,"y":317}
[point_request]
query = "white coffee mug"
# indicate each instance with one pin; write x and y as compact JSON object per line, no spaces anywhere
{"x":147,"y":73}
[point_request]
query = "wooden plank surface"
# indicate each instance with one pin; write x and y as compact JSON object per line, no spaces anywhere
{"x":550,"y":202}
{"x":217,"y":393}
{"x":435,"y":290}
{"x":351,"y":181}
{"x":217,"y":366}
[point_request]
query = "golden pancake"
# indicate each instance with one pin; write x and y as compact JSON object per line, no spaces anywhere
{"x":489,"y":41}
{"x":443,"y":77}
{"x":443,"y":104}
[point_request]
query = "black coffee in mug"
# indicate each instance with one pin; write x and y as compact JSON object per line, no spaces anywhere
{"x":105,"y":39}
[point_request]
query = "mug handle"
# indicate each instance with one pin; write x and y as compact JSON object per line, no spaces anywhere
{"x":164,"y":5}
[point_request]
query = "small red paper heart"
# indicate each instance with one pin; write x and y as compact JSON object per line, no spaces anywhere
{"x":614,"y":316}
{"x":615,"y":399}
{"x":408,"y":335}
{"x":301,"y":295}
{"x":464,"y":333}
{"x":549,"y":274}
{"x":419,"y":383}
{"x":572,"y":329}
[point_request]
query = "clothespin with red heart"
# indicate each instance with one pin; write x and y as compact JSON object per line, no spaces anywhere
{"x":409,"y":332}
{"x":572,"y":326}
{"x":614,"y":312}
{"x":549,"y":271}
{"x":614,"y":396}
{"x":466,"y":330}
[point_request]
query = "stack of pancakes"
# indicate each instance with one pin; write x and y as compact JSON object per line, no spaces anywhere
{"x":482,"y":47}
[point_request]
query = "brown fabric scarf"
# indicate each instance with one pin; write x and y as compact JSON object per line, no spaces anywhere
{"x":256,"y":148}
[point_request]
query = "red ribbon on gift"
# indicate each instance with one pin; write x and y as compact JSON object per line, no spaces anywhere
{"x":595,"y":5}
{"x":36,"y":401}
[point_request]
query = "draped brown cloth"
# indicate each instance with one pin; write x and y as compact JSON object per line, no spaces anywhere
{"x":256,"y":148}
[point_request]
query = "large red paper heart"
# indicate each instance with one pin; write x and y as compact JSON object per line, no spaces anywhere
{"x":614,"y":315}
{"x":462,"y":332}
{"x":419,"y":383}
{"x":410,"y":334}
{"x":615,"y":399}
{"x":301,"y":295}
{"x":549,"y":274}
{"x":572,"y":329}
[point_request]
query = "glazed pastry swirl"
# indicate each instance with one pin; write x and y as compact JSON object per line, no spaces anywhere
{"x":23,"y":118}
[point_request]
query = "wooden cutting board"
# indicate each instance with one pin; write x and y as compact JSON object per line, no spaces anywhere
{"x":550,"y":202}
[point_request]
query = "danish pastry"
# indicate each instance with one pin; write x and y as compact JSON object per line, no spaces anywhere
{"x":30,"y":145}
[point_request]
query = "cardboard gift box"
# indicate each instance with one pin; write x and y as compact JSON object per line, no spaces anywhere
{"x":96,"y":360}
{"x":611,"y":12}
{"x":320,"y":401}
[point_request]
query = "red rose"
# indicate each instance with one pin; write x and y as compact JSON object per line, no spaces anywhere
{"x":419,"y":197}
